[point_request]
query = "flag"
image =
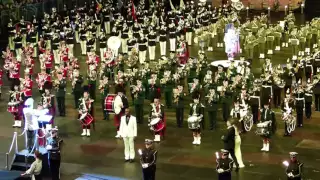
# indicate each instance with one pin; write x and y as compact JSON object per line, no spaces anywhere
{"x":182,"y":5}
{"x":133,"y":11}
{"x":172,"y":7}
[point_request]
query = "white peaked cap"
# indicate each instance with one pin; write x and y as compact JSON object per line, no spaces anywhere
{"x":29,"y":102}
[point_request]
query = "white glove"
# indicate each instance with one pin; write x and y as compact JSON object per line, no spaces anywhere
{"x":290,"y":175}
{"x":220,"y":170}
{"x":145,"y":165}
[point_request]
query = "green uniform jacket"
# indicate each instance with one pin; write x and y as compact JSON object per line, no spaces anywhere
{"x":214,"y":104}
{"x":139,"y":99}
{"x":61,"y":91}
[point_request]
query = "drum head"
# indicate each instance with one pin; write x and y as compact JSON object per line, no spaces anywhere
{"x":192,"y":119}
{"x":117,"y":104}
{"x":154,"y":121}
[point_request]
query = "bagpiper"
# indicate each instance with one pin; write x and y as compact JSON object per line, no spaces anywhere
{"x":14,"y":105}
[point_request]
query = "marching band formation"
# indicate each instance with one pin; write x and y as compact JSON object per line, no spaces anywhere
{"x":125,"y":39}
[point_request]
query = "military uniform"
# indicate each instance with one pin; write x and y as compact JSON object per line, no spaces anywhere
{"x":294,"y":168}
{"x":249,"y":46}
{"x":267,"y":115}
{"x":179,"y":100}
{"x":299,"y":97}
{"x":54,"y":146}
{"x":212,"y":109}
{"x":104,"y":90}
{"x":77,"y":90}
{"x":308,"y":100}
{"x":224,"y":166}
{"x":148,"y":161}
{"x":139,"y":97}
{"x":60,"y":95}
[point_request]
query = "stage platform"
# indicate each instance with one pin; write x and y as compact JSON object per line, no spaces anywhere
{"x":98,"y":177}
{"x":10,"y":175}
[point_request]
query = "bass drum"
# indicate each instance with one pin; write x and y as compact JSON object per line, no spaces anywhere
{"x":156,"y":124}
{"x":113,"y":103}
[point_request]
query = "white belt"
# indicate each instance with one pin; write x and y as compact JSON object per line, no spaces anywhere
{"x":266,"y":86}
{"x":308,"y":94}
{"x":255,"y":97}
{"x":166,"y":35}
{"x":299,"y":99}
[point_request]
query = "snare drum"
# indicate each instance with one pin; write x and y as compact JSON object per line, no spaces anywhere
{"x":113,"y":103}
{"x":262,"y":131}
{"x":156,"y":124}
{"x":86,"y":119}
{"x":13,"y":107}
{"x":193,"y":122}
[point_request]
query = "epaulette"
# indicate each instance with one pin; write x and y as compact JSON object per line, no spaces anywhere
{"x":191,"y":104}
{"x":161,"y":104}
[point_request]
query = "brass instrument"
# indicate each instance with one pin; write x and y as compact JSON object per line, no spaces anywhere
{"x":56,"y":84}
{"x":176,"y":95}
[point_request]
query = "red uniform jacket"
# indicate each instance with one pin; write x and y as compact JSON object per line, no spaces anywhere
{"x":15,"y":73}
{"x":49,"y":61}
{"x":42,"y":78}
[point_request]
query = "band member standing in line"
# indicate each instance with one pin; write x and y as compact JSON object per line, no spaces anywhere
{"x":77,"y":90}
{"x":139,"y":93}
{"x":178,"y":99}
{"x":224,"y":166}
{"x":300,"y":102}
{"x":125,"y":104}
{"x":86,"y":112}
{"x":308,"y":99}
{"x":294,"y":169}
{"x":104,"y":88}
{"x":14,"y":105}
{"x":60,"y":86}
{"x":196,"y":111}
{"x":212,"y":108}
{"x":128,"y":131}
{"x":268,"y":115}
{"x":148,"y":160}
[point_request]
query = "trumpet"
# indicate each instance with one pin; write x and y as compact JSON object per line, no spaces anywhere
{"x":56,"y":83}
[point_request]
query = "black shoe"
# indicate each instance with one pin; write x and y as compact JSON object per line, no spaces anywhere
{"x":131,"y":160}
{"x":286,"y":135}
{"x":104,"y":118}
{"x":237,"y":169}
{"x":126,"y":160}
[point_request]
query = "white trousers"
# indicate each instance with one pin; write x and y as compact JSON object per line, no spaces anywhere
{"x":83,"y":45}
{"x":35,"y":49}
{"x":48,"y":43}
{"x":56,"y":56}
{"x":70,"y":52}
{"x":189,"y":38}
{"x":11,"y":43}
{"x":172,"y":44}
{"x":102,"y":51}
{"x":76,"y":33}
{"x":129,"y":151}
{"x":124,"y":45}
{"x":152,"y":52}
{"x":19,"y":54}
{"x":163,"y":47}
{"x":98,"y":30}
{"x":107,"y":27}
{"x":142,"y":56}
